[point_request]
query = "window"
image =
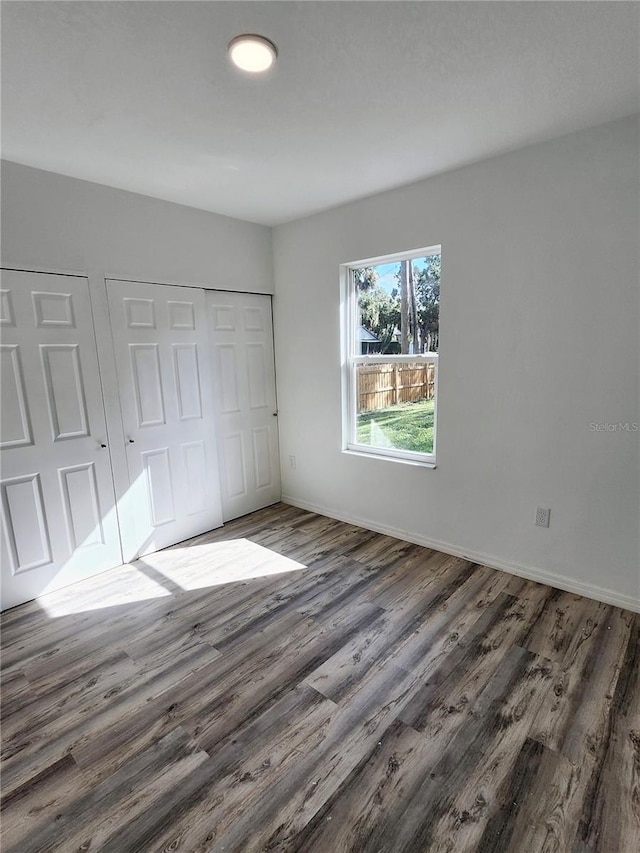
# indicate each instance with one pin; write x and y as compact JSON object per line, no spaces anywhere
{"x":391,"y":336}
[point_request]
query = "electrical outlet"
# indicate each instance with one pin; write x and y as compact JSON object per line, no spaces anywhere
{"x":542,"y":516}
{"x":292,"y":463}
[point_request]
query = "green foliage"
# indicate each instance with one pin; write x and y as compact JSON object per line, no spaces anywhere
{"x":365,"y":278}
{"x":427,"y":285}
{"x":407,"y":426}
{"x":381,"y":312}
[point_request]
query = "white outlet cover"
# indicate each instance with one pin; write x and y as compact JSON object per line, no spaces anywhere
{"x":542,"y":516}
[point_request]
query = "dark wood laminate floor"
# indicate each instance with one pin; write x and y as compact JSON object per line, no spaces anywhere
{"x":293,"y":683}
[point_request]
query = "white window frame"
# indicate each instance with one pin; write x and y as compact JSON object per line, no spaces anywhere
{"x":351,"y":358}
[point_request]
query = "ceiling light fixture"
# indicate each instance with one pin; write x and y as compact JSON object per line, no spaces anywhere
{"x":252,"y":53}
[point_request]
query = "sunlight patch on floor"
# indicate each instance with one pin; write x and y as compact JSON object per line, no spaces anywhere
{"x":168,"y":572}
{"x":122,"y":585}
{"x":216,"y":563}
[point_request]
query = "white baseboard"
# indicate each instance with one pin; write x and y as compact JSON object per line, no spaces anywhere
{"x":598,"y":593}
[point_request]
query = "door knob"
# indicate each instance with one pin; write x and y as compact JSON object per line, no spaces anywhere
{"x":131,"y":441}
{"x":103,"y":446}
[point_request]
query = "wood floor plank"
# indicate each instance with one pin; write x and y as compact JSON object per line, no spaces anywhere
{"x":91,"y":820}
{"x":614,"y":823}
{"x":368,"y":796}
{"x":66,"y":732}
{"x":461,"y":825}
{"x":575,"y":713}
{"x":537,"y":804}
{"x":243,"y":767}
{"x":339,"y":539}
{"x":294,"y":798}
{"x":500,"y":717}
{"x":408,"y":789}
{"x":15,"y":691}
{"x":333,"y":583}
{"x":47,"y":634}
{"x":25,"y":723}
{"x":39,"y":801}
{"x":566,"y":619}
{"x":410,"y":576}
{"x":290,"y":682}
{"x":384,"y":551}
{"x":425,"y":625}
{"x":117,"y":737}
{"x":238,"y":699}
{"x":461,"y":676}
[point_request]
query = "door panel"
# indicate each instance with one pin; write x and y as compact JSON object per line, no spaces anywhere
{"x":147,"y":385}
{"x":256,"y":372}
{"x":14,"y":414}
{"x":25,"y":523}
{"x":58,"y":516}
{"x":166,"y":396}
{"x":244,"y":378}
{"x":262,"y":458}
{"x":194,"y":459}
{"x":65,"y":391}
{"x":80,"y":496}
{"x":225,"y":363}
{"x":185,"y":362}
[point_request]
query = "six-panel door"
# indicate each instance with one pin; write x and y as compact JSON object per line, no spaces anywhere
{"x":166,"y":397}
{"x":56,"y":492}
{"x":241,"y":335}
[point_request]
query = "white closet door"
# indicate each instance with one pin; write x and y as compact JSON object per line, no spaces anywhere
{"x":244,"y":375}
{"x":57,"y":500}
{"x":161,"y":347}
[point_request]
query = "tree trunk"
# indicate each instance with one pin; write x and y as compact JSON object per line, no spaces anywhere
{"x":404,"y":307}
{"x":411,"y":287}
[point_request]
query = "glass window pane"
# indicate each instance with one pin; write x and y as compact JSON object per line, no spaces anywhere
{"x":398,"y":306}
{"x":395,"y":405}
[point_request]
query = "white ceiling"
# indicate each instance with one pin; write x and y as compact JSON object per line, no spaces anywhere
{"x":364,"y":97}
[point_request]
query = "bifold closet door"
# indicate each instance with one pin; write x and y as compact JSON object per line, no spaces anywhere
{"x":59,"y":521}
{"x":166,"y":397}
{"x":244,"y":378}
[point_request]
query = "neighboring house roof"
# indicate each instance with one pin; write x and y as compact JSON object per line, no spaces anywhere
{"x":365,"y":336}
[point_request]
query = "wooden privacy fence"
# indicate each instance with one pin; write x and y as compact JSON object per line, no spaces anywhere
{"x":384,"y":385}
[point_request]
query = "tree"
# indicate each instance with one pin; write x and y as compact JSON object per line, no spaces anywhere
{"x":366,"y":278}
{"x":409,"y":328}
{"x":404,"y":306}
{"x":414,"y":307}
{"x":427,"y":287}
{"x":379,"y":311}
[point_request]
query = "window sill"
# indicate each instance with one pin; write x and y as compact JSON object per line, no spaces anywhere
{"x":386,"y":457}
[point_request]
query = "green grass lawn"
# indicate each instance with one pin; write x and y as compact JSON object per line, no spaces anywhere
{"x":407,"y":426}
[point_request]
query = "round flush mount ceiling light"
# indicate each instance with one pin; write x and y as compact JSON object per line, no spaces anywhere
{"x":252,"y":53}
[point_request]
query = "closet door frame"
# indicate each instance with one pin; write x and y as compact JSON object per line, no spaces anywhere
{"x":116,"y":438}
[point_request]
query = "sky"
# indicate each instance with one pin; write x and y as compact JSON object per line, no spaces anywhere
{"x":387,"y":273}
{"x":387,"y":278}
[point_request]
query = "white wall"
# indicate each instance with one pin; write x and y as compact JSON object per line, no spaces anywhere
{"x":57,"y":223}
{"x":539,"y":338}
